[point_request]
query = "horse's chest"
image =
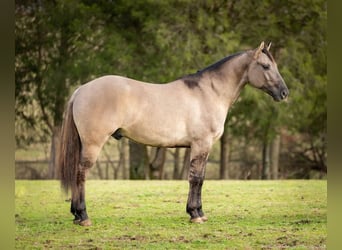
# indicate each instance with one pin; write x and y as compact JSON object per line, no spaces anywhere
{"x":215,"y":124}
{"x":218,"y":133}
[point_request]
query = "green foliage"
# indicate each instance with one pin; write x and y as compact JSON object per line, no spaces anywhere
{"x":309,"y":97}
{"x":61,"y":44}
{"x":307,"y":111}
{"x":151,"y":215}
{"x":52,"y":39}
{"x":298,"y":32}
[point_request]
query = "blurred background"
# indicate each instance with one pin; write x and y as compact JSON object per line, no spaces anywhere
{"x":60,"y":45}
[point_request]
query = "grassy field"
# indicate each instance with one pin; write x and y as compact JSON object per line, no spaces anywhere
{"x":151,"y":215}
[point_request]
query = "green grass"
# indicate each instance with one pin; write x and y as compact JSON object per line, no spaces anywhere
{"x":151,"y":215}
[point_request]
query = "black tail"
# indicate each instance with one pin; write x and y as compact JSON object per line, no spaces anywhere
{"x":69,"y":152}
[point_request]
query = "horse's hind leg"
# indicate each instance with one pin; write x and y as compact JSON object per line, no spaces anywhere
{"x":78,"y":205}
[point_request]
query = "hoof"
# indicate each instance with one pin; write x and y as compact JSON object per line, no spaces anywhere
{"x":196,"y":220}
{"x":204,"y":218}
{"x":77,"y":222}
{"x":85,"y":223}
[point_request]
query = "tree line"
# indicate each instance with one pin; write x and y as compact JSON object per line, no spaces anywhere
{"x":62,"y":44}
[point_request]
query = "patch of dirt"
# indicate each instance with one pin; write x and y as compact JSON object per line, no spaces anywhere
{"x":179,"y":239}
{"x":302,"y":222}
{"x":130,"y":238}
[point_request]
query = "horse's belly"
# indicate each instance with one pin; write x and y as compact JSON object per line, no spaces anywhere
{"x":159,"y":135}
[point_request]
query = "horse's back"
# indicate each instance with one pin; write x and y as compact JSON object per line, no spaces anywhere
{"x":106,"y":85}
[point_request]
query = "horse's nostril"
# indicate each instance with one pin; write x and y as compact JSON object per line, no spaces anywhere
{"x":283,"y":94}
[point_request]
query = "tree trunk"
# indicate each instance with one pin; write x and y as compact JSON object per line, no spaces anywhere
{"x":122,"y":157}
{"x":99,"y":170}
{"x":176,"y":174}
{"x":186,"y":164}
{"x":53,"y":152}
{"x":275,"y":149}
{"x":157,"y":165}
{"x":138,"y":159}
{"x":224,"y":159}
{"x":265,"y":161}
{"x":107,"y":171}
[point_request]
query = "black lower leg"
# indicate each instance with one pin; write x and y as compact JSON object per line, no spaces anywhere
{"x":78,"y":206}
{"x":78,"y":209}
{"x":196,"y":178}
{"x":81,"y":209}
{"x":81,"y":206}
{"x":194,"y":204}
{"x":199,"y":209}
{"x":74,"y":211}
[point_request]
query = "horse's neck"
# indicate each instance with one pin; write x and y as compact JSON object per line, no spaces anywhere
{"x":233,"y":77}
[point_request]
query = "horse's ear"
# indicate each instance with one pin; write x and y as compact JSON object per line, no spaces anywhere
{"x":258,"y":50}
{"x":269,"y":46}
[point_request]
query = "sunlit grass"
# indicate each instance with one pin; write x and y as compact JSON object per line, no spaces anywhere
{"x":151,"y":215}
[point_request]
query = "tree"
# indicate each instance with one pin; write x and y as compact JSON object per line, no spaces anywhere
{"x":157,"y":164}
{"x":62,"y":44}
{"x":54,"y":41}
{"x":309,"y":111}
{"x":170,"y":46}
{"x":298,"y":31}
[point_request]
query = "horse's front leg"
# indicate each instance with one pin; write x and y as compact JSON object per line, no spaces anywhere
{"x":198,"y":160}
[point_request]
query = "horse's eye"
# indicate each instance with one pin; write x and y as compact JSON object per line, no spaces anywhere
{"x":265,"y":66}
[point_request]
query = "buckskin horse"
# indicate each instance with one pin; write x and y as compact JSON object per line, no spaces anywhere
{"x":188,"y":112}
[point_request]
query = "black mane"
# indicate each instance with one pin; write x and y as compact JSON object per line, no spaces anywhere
{"x":216,"y":66}
{"x":192,"y":80}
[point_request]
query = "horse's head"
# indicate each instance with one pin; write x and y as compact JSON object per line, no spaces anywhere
{"x":263,"y":74}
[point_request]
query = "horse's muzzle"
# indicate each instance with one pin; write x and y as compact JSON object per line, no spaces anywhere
{"x":277,"y":94}
{"x":283,"y":94}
